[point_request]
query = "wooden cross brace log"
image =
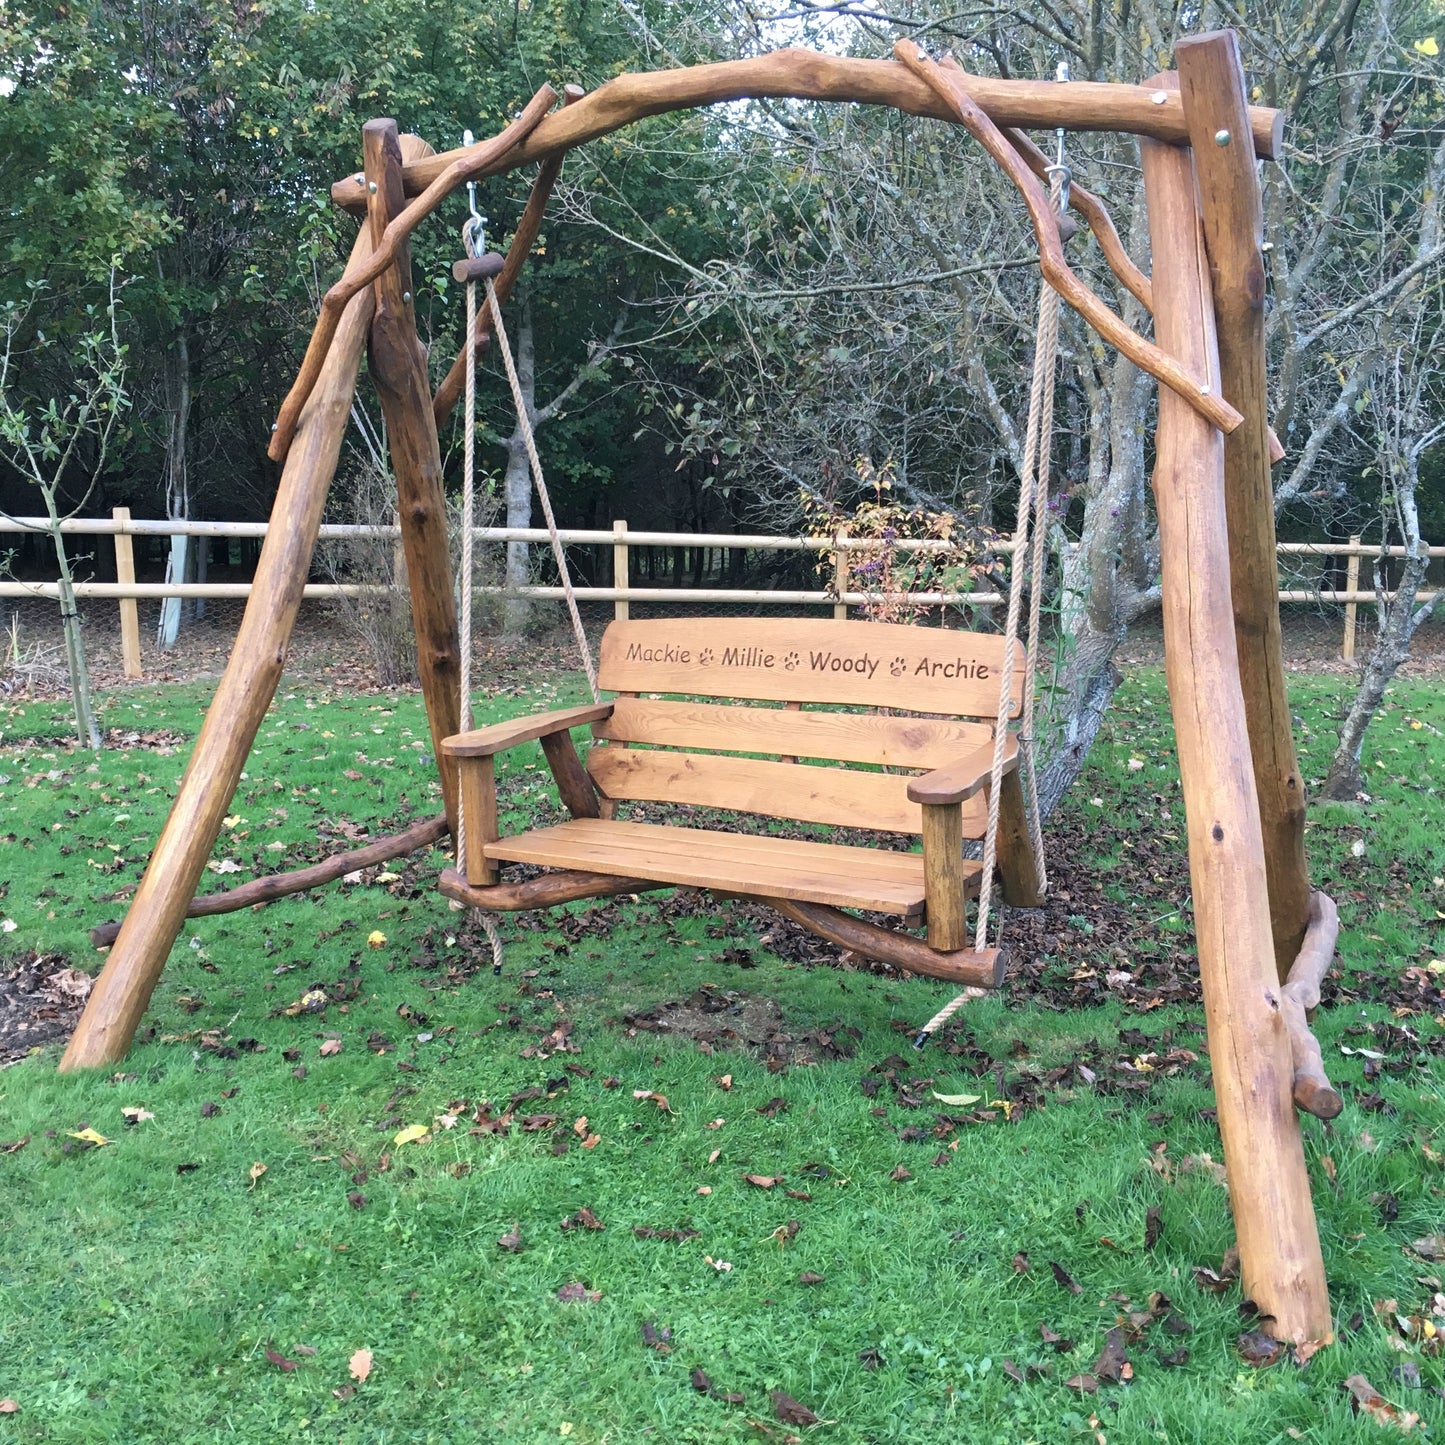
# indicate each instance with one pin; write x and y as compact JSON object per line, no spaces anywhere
{"x":951,"y":84}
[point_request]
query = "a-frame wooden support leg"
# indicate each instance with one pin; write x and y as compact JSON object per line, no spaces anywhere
{"x":398,"y":367}
{"x":1216,"y":107}
{"x":154,"y":918}
{"x":1281,"y":1264}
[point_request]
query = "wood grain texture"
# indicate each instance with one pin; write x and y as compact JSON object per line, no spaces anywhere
{"x":1300,"y":995}
{"x":958,"y":781}
{"x":158,"y":909}
{"x":838,"y":797}
{"x":398,"y":368}
{"x":943,"y":876}
{"x":966,"y":967}
{"x":478,"y":783}
{"x":498,"y":737}
{"x":545,"y":891}
{"x":523,"y":239}
{"x":1017,"y":869}
{"x":283,"y":885}
{"x":810,"y":75}
{"x":1281,"y":1264}
{"x":574,"y":787}
{"x":1212,"y":83}
{"x":478,"y":268}
{"x":405,"y":220}
{"x":845,"y":737}
{"x":129,"y":613}
{"x":832,"y":873}
{"x":951,"y":83}
{"x":817,"y":660}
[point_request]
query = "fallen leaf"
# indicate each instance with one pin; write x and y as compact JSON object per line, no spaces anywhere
{"x":1432,"y":1246}
{"x":790,"y":1411}
{"x":1113,"y":1362}
{"x":255,"y":1172}
{"x":899,"y":1175}
{"x":1085,"y":1383}
{"x":1368,"y":1400}
{"x":700,"y":1381}
{"x":511,"y":1241}
{"x":1059,"y":1342}
{"x":356,"y":1199}
{"x":1065,"y":1278}
{"x":346,"y":1392}
{"x":412,"y":1134}
{"x":330,"y":1048}
{"x":14,"y":1146}
{"x":659,"y":1099}
{"x":772,"y":1108}
{"x":210,"y":1109}
{"x":592,"y":1141}
{"x":9,"y":1407}
{"x":657,"y":1339}
{"x":1207,"y":1279}
{"x":809,"y":1277}
{"x":361,"y":1366}
{"x":725,"y":1082}
{"x":1021,"y":1263}
{"x":376,"y":939}
{"x":89,"y":1136}
{"x":583,"y":1219}
{"x":1258,"y":1349}
{"x":762,"y":1181}
{"x":957,"y":1101}
{"x":1153,"y":1226}
{"x":280,"y":1360}
{"x":578,"y":1293}
{"x":136,"y":1116}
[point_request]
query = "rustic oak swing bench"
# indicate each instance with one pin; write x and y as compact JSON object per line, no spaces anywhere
{"x":935,"y":742}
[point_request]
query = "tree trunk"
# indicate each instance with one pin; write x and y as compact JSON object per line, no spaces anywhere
{"x":85,"y":725}
{"x":1398,"y":621}
{"x":517,"y":610}
{"x":178,"y":479}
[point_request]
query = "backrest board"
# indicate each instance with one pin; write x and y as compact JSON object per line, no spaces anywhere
{"x":818,"y":660}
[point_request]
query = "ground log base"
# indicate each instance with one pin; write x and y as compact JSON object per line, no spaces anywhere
{"x":283,"y":885}
{"x":545,"y":891}
{"x":972,"y":968}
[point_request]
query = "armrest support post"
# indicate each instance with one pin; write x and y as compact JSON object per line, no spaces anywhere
{"x":1022,"y":886}
{"x":478,"y":786}
{"x":574,"y":787}
{"x":943,"y":875}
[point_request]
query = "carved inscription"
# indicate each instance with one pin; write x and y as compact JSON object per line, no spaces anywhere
{"x":857,"y":664}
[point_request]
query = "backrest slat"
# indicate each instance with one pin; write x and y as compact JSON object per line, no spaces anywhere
{"x":847,"y":737}
{"x":822,"y":660}
{"x":841,"y":797}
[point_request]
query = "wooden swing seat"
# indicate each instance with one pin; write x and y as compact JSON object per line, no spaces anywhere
{"x":656,"y":743}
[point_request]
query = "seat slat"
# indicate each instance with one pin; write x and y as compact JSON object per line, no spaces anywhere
{"x":902,"y":742}
{"x":876,"y":664}
{"x":839,"y":797}
{"x":829,"y":873}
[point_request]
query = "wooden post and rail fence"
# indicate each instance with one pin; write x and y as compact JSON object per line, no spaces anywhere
{"x":621,"y":593}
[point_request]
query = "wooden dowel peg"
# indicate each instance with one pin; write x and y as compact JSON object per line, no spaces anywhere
{"x":479,"y":268}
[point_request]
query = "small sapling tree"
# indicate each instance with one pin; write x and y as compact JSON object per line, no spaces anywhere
{"x":57,"y":421}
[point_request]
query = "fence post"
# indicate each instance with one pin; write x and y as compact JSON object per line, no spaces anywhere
{"x":1352,"y":583}
{"x":621,"y":573}
{"x":840,"y":580}
{"x":129,"y":612}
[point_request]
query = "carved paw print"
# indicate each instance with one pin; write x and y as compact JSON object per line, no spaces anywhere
{"x":791,"y":661}
{"x":898,"y":666}
{"x":704,"y":658}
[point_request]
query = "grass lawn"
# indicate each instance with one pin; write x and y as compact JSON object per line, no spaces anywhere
{"x":920,"y":1270}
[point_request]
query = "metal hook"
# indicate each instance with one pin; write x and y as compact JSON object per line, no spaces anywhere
{"x":1060,"y":166}
{"x":474,"y":232}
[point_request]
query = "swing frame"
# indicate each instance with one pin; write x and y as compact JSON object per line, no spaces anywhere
{"x":1199,"y":139}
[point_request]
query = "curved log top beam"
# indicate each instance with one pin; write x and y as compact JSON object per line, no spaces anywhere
{"x":807,"y":75}
{"x":949,"y":81}
{"x":464,"y":167}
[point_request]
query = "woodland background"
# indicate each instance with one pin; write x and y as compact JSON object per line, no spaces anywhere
{"x":734,"y":317}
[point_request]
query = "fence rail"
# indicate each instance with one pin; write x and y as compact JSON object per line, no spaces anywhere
{"x":126,"y":590}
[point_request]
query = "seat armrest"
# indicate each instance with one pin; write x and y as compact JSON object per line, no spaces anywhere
{"x":959,"y":780}
{"x":483,"y":742}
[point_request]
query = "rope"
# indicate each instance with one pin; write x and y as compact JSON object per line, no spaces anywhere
{"x":524,"y":425}
{"x":1029,"y":558}
{"x":469,"y":507}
